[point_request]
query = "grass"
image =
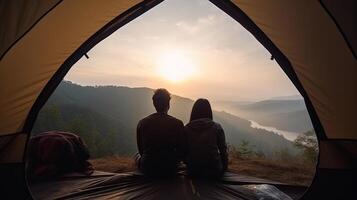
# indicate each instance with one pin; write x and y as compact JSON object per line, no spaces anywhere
{"x":293,"y":173}
{"x":290,"y":172}
{"x":115,"y":164}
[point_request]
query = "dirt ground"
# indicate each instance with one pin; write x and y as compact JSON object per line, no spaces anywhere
{"x":290,"y":172}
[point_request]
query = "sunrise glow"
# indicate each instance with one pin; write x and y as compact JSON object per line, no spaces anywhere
{"x":175,"y":67}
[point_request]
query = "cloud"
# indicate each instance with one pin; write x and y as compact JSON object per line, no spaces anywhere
{"x":186,"y":27}
{"x":208,"y":20}
{"x":197,"y":25}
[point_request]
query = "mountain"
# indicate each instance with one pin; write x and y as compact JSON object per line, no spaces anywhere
{"x":106,"y":118}
{"x":273,"y":106}
{"x":288,"y":115}
{"x":222,"y":105}
{"x":289,"y":97}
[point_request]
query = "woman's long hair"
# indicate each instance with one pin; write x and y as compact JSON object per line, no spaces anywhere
{"x":201,"y":109}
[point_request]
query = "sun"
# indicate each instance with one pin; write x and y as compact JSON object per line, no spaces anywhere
{"x":175,"y":67}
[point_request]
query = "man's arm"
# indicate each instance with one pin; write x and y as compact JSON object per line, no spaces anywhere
{"x":139,"y":137}
{"x":181,"y":141}
{"x":222,"y":146}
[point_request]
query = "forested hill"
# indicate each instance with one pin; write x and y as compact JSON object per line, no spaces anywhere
{"x":106,"y":118}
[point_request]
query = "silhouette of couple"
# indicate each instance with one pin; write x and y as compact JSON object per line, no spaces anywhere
{"x":163,"y":141}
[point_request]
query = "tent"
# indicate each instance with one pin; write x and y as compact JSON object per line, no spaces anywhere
{"x":314,"y":42}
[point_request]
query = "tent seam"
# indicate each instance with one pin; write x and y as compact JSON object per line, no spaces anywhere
{"x":339,"y":28}
{"x":28,"y":30}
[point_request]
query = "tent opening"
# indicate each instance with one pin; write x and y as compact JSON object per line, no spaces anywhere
{"x":201,"y":54}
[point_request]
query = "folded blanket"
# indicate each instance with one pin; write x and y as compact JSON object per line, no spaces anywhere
{"x":54,"y":153}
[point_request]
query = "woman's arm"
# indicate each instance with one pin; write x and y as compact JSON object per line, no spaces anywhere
{"x":222,"y":146}
{"x":139,"y":138}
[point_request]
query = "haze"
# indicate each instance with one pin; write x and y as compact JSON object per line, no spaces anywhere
{"x":189,"y":47}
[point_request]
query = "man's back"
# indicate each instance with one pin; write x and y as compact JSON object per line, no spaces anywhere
{"x":160,"y":142}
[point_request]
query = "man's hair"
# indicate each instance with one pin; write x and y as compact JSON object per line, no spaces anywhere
{"x":161,"y":99}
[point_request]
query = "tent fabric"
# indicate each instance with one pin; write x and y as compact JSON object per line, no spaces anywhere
{"x":134,"y":185}
{"x":317,"y":38}
{"x":345,"y":18}
{"x":319,"y":55}
{"x":338,"y":154}
{"x":43,"y":50}
{"x":302,"y":30}
{"x":13,"y":148}
{"x":17,"y":17}
{"x":323,"y":62}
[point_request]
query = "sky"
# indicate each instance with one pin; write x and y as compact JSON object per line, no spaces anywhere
{"x":189,"y":47}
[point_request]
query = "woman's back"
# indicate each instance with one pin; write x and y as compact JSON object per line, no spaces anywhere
{"x":206,"y":147}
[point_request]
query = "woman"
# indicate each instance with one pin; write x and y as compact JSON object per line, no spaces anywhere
{"x":206,"y":147}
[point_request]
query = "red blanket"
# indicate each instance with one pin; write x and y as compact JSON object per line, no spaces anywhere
{"x":54,"y":153}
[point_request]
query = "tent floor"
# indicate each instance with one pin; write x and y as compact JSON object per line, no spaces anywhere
{"x":133,"y":185}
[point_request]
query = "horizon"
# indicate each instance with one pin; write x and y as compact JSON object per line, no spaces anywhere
{"x":290,"y":97}
{"x":185,"y":54}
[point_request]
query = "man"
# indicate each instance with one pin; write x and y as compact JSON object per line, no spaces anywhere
{"x":160,"y":139}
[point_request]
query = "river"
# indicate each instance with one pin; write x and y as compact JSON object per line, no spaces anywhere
{"x":287,"y":134}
